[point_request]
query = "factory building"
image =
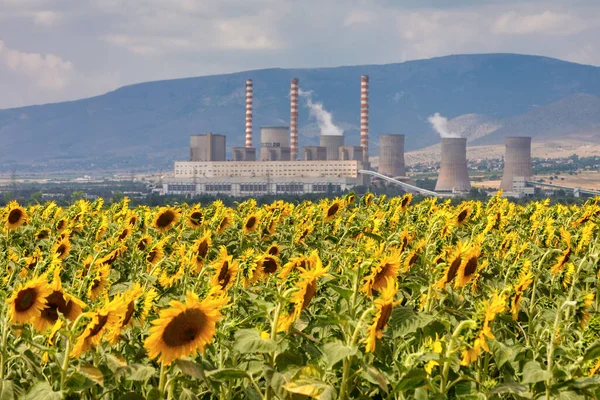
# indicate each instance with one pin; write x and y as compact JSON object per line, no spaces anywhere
{"x":332,"y":143}
{"x":207,"y":147}
{"x":391,"y":155}
{"x":350,"y":153}
{"x":517,"y":161}
{"x":243,"y":154}
{"x":315,"y":153}
{"x":453,"y":176}
{"x":274,"y":143}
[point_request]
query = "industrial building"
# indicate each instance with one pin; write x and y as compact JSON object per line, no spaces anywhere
{"x":517,"y":161}
{"x":391,"y":155}
{"x":453,"y":175}
{"x":274,"y":166}
{"x":207,"y":147}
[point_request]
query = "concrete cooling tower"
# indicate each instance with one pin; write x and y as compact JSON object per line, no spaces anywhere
{"x":332,"y":143}
{"x":517,"y":160}
{"x":391,"y":155}
{"x":453,"y":166}
{"x":274,"y":143}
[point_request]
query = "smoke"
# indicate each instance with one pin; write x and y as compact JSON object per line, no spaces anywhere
{"x":440,"y":124}
{"x":323,"y":117}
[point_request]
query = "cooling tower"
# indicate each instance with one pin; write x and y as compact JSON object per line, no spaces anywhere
{"x":332,"y":143}
{"x":364,"y":116}
{"x":517,"y":160}
{"x":274,"y":143}
{"x":294,"y":119}
{"x":249,"y":113}
{"x":453,"y":166}
{"x":391,"y":155}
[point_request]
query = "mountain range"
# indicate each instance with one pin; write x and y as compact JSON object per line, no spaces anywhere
{"x":485,"y":97}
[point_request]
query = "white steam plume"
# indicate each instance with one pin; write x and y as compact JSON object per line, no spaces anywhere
{"x":323,"y":117}
{"x":440,"y":124}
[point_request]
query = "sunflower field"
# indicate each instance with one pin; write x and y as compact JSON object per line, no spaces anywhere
{"x":346,"y":298}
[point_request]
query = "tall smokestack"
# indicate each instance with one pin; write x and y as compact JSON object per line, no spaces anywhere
{"x":294,"y":120}
{"x":249,"y":113}
{"x":364,"y":116}
{"x":517,"y":160}
{"x":453,"y":166}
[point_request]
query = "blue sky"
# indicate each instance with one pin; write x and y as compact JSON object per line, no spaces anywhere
{"x":55,"y":50}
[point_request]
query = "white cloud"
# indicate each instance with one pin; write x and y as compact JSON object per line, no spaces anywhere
{"x":547,"y":22}
{"x":47,"y":18}
{"x":360,"y":17}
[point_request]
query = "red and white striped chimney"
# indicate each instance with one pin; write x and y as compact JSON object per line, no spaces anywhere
{"x":364,"y":116}
{"x":294,"y":120}
{"x":249,"y":113}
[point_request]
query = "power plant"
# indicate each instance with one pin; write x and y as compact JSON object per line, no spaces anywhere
{"x":517,"y":161}
{"x":391,"y":155}
{"x":453,"y":175}
{"x":278,"y":166}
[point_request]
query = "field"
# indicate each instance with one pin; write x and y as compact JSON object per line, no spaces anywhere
{"x":347,"y":298}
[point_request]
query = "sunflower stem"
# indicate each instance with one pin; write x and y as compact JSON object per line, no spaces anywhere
{"x":450,"y":349}
{"x":65,"y":364}
{"x":3,"y":350}
{"x":269,"y":391}
{"x":163,"y":380}
{"x":347,"y":363}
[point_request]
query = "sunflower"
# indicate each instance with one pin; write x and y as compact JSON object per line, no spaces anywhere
{"x":387,"y":267}
{"x":42,"y":234}
{"x":61,"y":225}
{"x":124,"y":234}
{"x":525,"y":279}
{"x":184,"y":329}
{"x":383,"y":304}
{"x":32,"y":260}
{"x":155,"y":254}
{"x":111,"y":257}
{"x":274,"y":250}
{"x":138,"y":302}
{"x":195,"y":217}
{"x":295,"y":263}
{"x":132,"y":220}
{"x":267,"y":265}
{"x":468,"y":266}
{"x":200,"y":250}
{"x":250,"y":224}
{"x":368,"y":198}
{"x":454,"y":262}
{"x":463,"y":215}
{"x":333,"y":209}
{"x":102,"y":228}
{"x":58,"y":301}
{"x":301,"y":298}
{"x":405,"y":202}
{"x":171,"y":273}
{"x":413,"y":256}
{"x":61,"y":249}
{"x":165,"y":218}
{"x":28,"y":301}
{"x":304,"y":231}
{"x":143,"y":243}
{"x":98,"y":281}
{"x":15,"y":215}
{"x":225,"y":270}
{"x":106,"y":321}
{"x":223,"y":224}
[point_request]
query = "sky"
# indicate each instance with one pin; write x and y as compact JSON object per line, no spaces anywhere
{"x":58,"y":50}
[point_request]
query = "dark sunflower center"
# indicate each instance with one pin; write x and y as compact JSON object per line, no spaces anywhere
{"x":386,"y":312}
{"x":123,"y":234}
{"x":54,"y":303}
{"x":61,"y":224}
{"x":311,"y":289}
{"x":132,"y":221}
{"x":165,"y":219}
{"x":333,"y":210}
{"x":14,"y":216}
{"x":151,"y":255}
{"x":413,"y":259}
{"x":251,"y":222}
{"x":471,"y":266}
{"x":61,"y":250}
{"x":224,"y":223}
{"x":270,"y":265}
{"x":274,"y":251}
{"x":184,"y":328}
{"x":404,"y":202}
{"x":96,"y":283}
{"x":461,"y":217}
{"x":129,"y":313}
{"x":25,"y":299}
{"x":43,"y":234}
{"x":102,"y":320}
{"x":196,"y":218}
{"x":453,"y":269}
{"x":202,"y":249}
{"x":142,"y":244}
{"x":566,"y":256}
{"x":224,"y":275}
{"x":382,"y":273}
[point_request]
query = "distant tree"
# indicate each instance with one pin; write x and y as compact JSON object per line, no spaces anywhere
{"x":116,"y":197}
{"x":36,"y":197}
{"x":77,"y":195}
